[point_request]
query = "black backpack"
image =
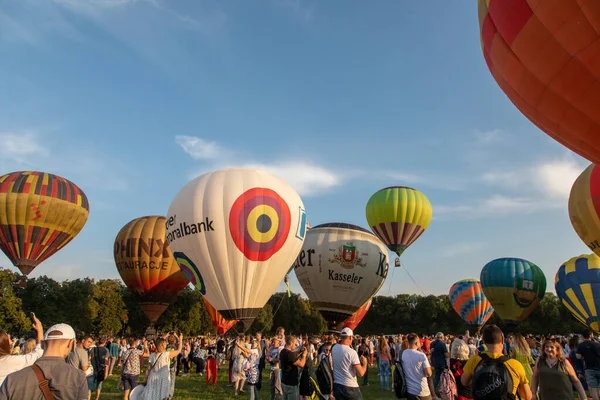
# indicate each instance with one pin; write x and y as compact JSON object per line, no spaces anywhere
{"x":324,"y":375}
{"x":98,"y":364}
{"x":399,"y":380}
{"x":491,"y":380}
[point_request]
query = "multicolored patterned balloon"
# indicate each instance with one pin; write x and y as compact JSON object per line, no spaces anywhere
{"x":584,"y":207}
{"x":544,"y":56}
{"x":39,"y":214}
{"x":577,"y":284}
{"x":398,"y":215}
{"x":514,"y":287}
{"x":469,"y":302}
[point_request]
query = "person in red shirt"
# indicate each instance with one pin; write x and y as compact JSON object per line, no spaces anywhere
{"x":425,"y":344}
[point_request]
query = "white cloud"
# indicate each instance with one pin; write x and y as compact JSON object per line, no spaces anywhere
{"x":303,"y":9}
{"x":18,"y":146}
{"x":200,"y":149}
{"x":490,"y":137}
{"x":557,"y":178}
{"x":496,"y":205}
{"x":306,"y":177}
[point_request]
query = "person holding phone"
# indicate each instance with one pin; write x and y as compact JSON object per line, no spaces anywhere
{"x":11,"y":363}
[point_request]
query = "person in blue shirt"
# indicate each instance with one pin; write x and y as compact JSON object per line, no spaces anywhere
{"x":440,"y":357}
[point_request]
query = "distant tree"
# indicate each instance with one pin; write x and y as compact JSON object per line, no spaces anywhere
{"x":78,"y":309}
{"x":12,"y":317}
{"x":44,"y":297}
{"x":107,"y":307}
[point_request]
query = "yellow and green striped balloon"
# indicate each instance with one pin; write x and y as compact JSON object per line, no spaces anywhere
{"x":398,"y":215}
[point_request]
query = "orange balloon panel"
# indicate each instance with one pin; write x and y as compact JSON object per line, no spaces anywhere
{"x":217,"y":319}
{"x":545,"y":55}
{"x":39,"y":214}
{"x":358,"y":316}
{"x":146,"y":265}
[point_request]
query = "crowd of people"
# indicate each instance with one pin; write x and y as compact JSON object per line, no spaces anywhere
{"x":429,"y":367}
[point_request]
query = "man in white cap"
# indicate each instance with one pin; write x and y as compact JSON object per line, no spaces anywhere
{"x":50,"y":373}
{"x":346,"y":365}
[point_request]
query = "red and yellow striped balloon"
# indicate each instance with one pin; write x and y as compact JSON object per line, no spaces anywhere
{"x":584,"y":207}
{"x":358,"y":316}
{"x":39,"y":214}
{"x":544,"y":56}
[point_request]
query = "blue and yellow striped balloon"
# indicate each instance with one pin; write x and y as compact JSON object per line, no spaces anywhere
{"x":469,"y":301}
{"x":577,"y":284}
{"x":514,"y":287}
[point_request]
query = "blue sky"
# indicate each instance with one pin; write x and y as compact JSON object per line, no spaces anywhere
{"x":132,"y":98}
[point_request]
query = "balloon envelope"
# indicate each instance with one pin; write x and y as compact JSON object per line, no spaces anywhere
{"x":235,"y":232}
{"x":146,"y":265}
{"x":577,"y":284}
{"x":584,"y":207}
{"x":358,"y":316}
{"x":39,"y":214}
{"x":469,"y":302}
{"x":398,"y":215}
{"x":543,"y":55}
{"x":514,"y":287}
{"x":340,"y":267}
{"x":217,"y":319}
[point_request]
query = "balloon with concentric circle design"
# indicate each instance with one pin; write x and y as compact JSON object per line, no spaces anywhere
{"x":469,"y":302}
{"x":584,"y":207}
{"x":577,"y":285}
{"x":544,"y":56}
{"x":40,"y":214}
{"x":146,"y":265}
{"x":235,"y":232}
{"x":514,"y":287}
{"x":398,"y":216}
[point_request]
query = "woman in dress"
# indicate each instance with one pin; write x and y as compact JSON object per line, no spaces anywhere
{"x":159,"y":378}
{"x":239,"y":355}
{"x":522,"y":353}
{"x":554,"y":375}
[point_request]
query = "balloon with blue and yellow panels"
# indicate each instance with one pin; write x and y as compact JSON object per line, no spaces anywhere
{"x":514,"y":287}
{"x":577,"y":284}
{"x":234,"y":233}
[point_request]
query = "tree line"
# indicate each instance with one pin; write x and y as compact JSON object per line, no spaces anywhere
{"x":107,"y":307}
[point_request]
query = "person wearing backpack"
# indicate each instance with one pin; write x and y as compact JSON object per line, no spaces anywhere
{"x":492,"y":375}
{"x":416,"y":370}
{"x":589,"y":351}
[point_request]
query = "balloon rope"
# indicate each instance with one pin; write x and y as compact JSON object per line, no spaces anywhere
{"x":391,"y":279}
{"x":412,"y":279}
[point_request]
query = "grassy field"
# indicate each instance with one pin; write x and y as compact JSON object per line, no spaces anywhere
{"x":194,"y":387}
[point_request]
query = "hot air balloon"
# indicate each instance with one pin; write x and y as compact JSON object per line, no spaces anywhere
{"x":577,"y":284}
{"x":584,"y":207}
{"x":358,"y":316}
{"x":543,"y":56}
{"x":514,"y":287}
{"x":470,"y":303}
{"x":340,"y":267}
{"x":39,"y":214}
{"x":398,"y":215}
{"x":217,"y":319}
{"x":235,"y":232}
{"x":146,"y":265}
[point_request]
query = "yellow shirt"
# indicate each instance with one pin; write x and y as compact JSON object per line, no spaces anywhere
{"x":517,"y":373}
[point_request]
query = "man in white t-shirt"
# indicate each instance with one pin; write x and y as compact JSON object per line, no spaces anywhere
{"x":416,"y":370}
{"x":346,"y":365}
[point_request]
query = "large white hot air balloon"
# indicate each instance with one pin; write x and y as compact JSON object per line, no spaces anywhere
{"x":235,"y":232}
{"x":340,"y":267}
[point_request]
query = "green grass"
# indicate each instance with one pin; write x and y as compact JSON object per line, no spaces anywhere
{"x":194,"y":387}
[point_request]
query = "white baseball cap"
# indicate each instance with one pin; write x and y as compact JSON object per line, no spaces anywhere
{"x":346,"y":332}
{"x":59,"y":331}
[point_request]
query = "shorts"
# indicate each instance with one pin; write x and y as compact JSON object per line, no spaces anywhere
{"x":93,"y":384}
{"x":592,"y":376}
{"x":129,"y":381}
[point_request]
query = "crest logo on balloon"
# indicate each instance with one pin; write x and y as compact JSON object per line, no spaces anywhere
{"x":524,"y":292}
{"x":190,"y":270}
{"x":259,"y":223}
{"x":348,"y":256}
